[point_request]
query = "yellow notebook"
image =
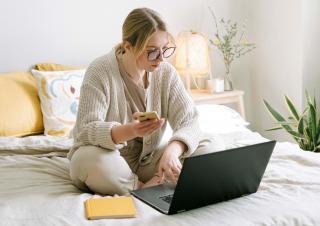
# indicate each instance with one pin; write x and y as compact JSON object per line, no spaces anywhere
{"x":115,"y":207}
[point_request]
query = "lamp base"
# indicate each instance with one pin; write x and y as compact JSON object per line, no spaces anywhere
{"x":200,"y":83}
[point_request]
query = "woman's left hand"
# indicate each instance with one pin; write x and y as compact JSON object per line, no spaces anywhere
{"x":170,"y":165}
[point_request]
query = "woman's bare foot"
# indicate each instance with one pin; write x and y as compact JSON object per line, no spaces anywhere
{"x":152,"y":182}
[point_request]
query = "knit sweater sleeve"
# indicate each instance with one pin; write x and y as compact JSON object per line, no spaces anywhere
{"x":183,"y":115}
{"x":91,"y":127}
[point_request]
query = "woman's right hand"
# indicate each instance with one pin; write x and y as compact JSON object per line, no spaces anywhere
{"x":141,"y":129}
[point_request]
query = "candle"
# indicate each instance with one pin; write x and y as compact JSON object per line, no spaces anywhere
{"x":218,"y":85}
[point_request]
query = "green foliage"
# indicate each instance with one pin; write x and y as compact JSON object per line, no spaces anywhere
{"x":230,"y":40}
{"x":304,"y":127}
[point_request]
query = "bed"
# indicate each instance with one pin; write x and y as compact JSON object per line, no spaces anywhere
{"x":36,"y":189}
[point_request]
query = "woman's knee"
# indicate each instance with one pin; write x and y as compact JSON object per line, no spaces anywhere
{"x":102,"y":171}
{"x":208,"y":144}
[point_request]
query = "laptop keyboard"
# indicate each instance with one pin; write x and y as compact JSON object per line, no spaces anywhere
{"x":167,"y":198}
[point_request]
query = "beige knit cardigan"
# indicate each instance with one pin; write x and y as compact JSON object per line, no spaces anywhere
{"x":103,"y":105}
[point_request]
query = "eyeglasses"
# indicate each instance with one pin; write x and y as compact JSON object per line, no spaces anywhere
{"x":155,"y":54}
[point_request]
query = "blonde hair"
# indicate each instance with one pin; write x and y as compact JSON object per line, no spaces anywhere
{"x":138,"y":27}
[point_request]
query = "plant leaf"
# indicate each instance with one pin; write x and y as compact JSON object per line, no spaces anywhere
{"x":310,"y":138}
{"x":308,"y":98}
{"x":280,"y":119}
{"x":275,"y":128}
{"x":313,"y":123}
{"x":290,"y":118}
{"x":318,"y":134}
{"x":295,"y":134}
{"x":302,"y":144}
{"x":287,"y":123}
{"x":273,"y":112}
{"x":307,"y":138}
{"x":307,"y":133}
{"x":276,"y":115}
{"x":292,"y":108}
{"x":301,"y":125}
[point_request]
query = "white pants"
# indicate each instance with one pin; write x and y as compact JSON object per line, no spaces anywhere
{"x":110,"y":172}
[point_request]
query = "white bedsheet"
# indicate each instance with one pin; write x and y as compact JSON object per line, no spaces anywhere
{"x":37,"y":191}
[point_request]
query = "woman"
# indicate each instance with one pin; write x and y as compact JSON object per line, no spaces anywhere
{"x":114,"y":153}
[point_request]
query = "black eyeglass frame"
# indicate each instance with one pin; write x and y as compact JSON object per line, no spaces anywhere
{"x":158,"y":51}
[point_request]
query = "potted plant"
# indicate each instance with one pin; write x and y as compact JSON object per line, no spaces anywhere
{"x":304,"y":127}
{"x":231,"y":41}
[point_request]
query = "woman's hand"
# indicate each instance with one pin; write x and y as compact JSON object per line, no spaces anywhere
{"x":141,"y":129}
{"x":170,"y":165}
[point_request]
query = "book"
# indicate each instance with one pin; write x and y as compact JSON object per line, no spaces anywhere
{"x":114,"y":207}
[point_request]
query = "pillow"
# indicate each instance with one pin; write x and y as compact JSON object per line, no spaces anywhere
{"x":54,"y":67}
{"x":20,"y":112}
{"x":38,"y":145}
{"x":220,"y":119}
{"x":216,"y":119}
{"x":59,"y":93}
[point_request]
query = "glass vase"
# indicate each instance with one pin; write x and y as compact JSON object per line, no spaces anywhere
{"x":228,"y":86}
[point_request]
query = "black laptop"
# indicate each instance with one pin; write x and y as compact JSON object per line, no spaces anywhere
{"x":211,"y":178}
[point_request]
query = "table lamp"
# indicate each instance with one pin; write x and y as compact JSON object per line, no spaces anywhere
{"x":192,"y":56}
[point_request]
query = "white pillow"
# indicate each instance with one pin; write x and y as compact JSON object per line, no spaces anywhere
{"x":216,"y":120}
{"x":59,"y":93}
{"x":220,"y":119}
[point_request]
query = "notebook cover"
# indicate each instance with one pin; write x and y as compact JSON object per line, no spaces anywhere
{"x":115,"y":207}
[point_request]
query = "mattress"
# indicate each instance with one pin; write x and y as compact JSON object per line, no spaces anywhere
{"x":36,"y":189}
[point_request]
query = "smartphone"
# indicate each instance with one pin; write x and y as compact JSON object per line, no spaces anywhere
{"x":148,"y":115}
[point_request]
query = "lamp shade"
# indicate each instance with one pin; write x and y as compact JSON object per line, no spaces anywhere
{"x":192,"y":55}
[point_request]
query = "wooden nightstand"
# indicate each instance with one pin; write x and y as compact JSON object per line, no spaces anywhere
{"x":235,"y":96}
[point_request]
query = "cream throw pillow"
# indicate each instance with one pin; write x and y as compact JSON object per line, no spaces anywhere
{"x":59,"y":93}
{"x":20,"y":112}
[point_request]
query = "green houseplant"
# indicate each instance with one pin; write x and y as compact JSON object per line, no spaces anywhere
{"x":304,"y":127}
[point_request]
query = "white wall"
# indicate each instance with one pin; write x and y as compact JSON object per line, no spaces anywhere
{"x":311,"y":48}
{"x":276,"y":67}
{"x":75,"y":32}
{"x":286,"y":60}
{"x":241,"y":74}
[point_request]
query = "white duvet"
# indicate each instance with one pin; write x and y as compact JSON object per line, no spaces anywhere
{"x":37,"y":191}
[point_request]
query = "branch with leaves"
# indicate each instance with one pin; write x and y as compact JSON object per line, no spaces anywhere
{"x":230,"y":40}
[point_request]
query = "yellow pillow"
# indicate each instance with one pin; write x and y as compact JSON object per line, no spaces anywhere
{"x":54,"y":67}
{"x":20,"y":111}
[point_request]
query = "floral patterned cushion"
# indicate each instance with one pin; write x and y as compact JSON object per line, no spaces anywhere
{"x":59,"y":93}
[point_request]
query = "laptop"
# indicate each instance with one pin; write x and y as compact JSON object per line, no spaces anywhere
{"x":211,"y":178}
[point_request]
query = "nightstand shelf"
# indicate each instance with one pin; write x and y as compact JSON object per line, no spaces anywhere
{"x":227,"y":97}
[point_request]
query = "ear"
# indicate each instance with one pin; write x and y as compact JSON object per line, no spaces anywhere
{"x":127,"y":45}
